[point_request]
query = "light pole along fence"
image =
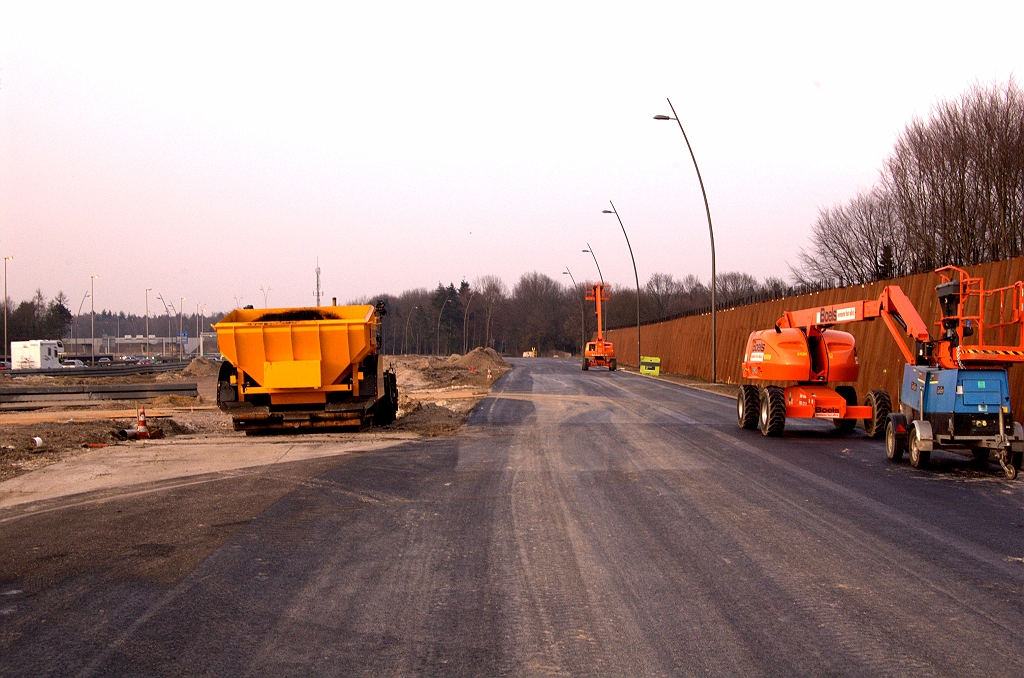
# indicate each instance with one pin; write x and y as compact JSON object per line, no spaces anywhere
{"x":636,"y":277}
{"x":711,"y":230}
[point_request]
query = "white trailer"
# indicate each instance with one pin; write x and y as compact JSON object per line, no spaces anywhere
{"x":37,"y":354}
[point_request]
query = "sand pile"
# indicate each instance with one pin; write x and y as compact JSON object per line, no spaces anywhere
{"x":176,"y":401}
{"x":201,"y":367}
{"x":481,"y":359}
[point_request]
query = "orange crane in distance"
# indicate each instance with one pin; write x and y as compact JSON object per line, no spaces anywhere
{"x":599,"y":353}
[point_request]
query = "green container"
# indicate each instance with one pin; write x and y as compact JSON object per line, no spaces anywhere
{"x":650,"y":365}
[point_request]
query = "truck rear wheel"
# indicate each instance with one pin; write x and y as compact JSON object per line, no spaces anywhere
{"x":747,"y":407}
{"x":895,"y":437}
{"x":881,"y":407}
{"x":226,"y":392}
{"x":773,"y":411}
{"x":386,"y":409}
{"x":918,"y":458}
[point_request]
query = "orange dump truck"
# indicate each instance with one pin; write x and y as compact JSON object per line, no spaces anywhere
{"x":304,"y":368}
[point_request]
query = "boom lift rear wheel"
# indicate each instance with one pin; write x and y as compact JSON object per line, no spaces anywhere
{"x":748,"y":407}
{"x":586,"y":364}
{"x":773,"y":411}
{"x":881,"y":407}
{"x":849,"y":394}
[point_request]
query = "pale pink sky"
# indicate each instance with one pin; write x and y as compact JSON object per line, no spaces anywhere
{"x":205,"y":150}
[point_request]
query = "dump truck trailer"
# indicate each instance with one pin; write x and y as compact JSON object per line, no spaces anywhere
{"x":304,"y":368}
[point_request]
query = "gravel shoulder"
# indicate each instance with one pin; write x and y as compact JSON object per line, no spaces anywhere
{"x":78,"y":449}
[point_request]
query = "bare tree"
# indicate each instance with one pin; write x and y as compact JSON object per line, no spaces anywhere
{"x":956,"y":180}
{"x":663,"y":290}
{"x":951,"y":192}
{"x":493,"y":290}
{"x":853,"y":243}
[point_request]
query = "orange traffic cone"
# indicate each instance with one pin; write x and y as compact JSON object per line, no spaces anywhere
{"x":143,"y":430}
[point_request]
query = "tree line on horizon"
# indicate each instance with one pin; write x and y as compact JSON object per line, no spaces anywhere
{"x":951,"y":192}
{"x":541,"y":312}
{"x":42,"y":318}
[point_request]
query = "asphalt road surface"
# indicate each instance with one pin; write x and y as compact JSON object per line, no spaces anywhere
{"x":581,"y":523}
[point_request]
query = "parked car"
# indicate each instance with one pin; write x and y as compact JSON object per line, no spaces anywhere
{"x":72,"y":364}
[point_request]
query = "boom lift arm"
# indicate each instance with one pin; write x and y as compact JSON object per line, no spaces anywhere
{"x":892,"y":306}
{"x":963,"y":328}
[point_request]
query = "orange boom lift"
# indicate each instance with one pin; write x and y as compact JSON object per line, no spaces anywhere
{"x":599,"y":353}
{"x":803,"y":348}
{"x":955,"y":391}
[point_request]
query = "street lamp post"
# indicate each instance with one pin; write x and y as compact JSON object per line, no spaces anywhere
{"x":74,"y":328}
{"x":6,"y":259}
{"x":181,"y":328}
{"x":266,"y":292}
{"x":168,"y":312}
{"x":465,"y":319}
{"x":635,"y":275}
{"x":437,"y":346}
{"x":92,"y":307}
{"x":405,"y":334}
{"x":591,"y":251}
{"x":583,"y":317}
{"x":147,"y":320}
{"x":197,"y":319}
{"x":714,"y":335}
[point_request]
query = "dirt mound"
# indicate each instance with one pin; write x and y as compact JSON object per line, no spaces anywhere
{"x":431,"y":420}
{"x":302,"y":314}
{"x":201,"y":367}
{"x":176,"y":401}
{"x":481,"y":359}
{"x":19,"y":453}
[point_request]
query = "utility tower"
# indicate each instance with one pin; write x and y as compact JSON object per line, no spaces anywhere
{"x":318,"y":281}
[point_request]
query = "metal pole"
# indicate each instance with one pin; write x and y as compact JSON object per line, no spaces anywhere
{"x":711,"y":230}
{"x":405,"y":334}
{"x":6,"y":259}
{"x":181,"y":328}
{"x":92,"y":307}
{"x":74,"y":329}
{"x":168,"y":312}
{"x":147,"y":320}
{"x":583,"y":317}
{"x":437,"y":346}
{"x":591,"y":250}
{"x":635,"y":275}
{"x":465,"y":319}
